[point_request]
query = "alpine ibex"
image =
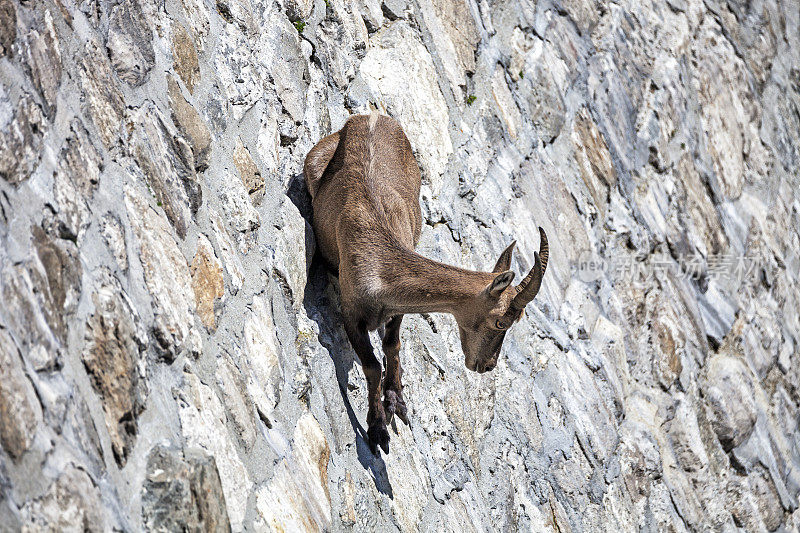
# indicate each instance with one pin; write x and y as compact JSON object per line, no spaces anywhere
{"x":364,"y":184}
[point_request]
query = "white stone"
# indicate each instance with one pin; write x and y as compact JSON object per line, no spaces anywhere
{"x":505,"y":103}
{"x":235,"y":398}
{"x":197,"y":16}
{"x":291,"y":257}
{"x":203,"y":423}
{"x":239,"y":76}
{"x":230,"y":257}
{"x":408,"y":476}
{"x":115,"y":239}
{"x":265,"y":379}
{"x":297,"y":497}
{"x":400,"y":73}
{"x":166,"y":275}
{"x":236,"y":203}
{"x":687,"y":443}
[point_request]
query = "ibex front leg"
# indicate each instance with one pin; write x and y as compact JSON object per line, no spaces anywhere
{"x":376,"y":417}
{"x":393,"y":402}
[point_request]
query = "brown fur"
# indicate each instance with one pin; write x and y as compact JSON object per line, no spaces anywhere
{"x":364,"y":183}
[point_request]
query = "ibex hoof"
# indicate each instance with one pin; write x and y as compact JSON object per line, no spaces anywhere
{"x":378,"y":435}
{"x":393,"y":404}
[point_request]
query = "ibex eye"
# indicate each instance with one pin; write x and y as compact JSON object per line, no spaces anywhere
{"x":500,"y":324}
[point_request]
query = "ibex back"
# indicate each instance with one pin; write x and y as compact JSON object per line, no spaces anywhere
{"x":364,"y":183}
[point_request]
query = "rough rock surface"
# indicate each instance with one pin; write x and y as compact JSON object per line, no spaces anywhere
{"x":182,"y":494}
{"x":171,"y":351}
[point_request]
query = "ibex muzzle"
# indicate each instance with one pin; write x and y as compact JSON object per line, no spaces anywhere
{"x":364,"y":183}
{"x":499,"y":307}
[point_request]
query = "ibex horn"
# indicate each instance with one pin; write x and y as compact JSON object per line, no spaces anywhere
{"x":526,"y":291}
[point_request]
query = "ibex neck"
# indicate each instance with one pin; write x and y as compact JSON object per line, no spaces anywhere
{"x":416,"y":284}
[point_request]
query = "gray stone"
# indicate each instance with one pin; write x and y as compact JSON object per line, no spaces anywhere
{"x":298,"y":9}
{"x":594,"y":159}
{"x":102,"y":97}
{"x":584,"y":13}
{"x":236,"y":203}
{"x":129,"y":42}
{"x":731,"y":406}
{"x":168,"y":165}
{"x":371,"y":13}
{"x":343,"y":38}
{"x":687,"y":441}
{"x":21,"y":131}
{"x":72,"y":502}
{"x":293,"y":257}
{"x":82,"y":434}
{"x":114,"y":236}
{"x":7,"y":515}
{"x":297,"y":497}
{"x":207,"y":282}
{"x":240,"y":80}
{"x":112,"y":356}
{"x":25,"y":313}
{"x":452,"y":37}
{"x":8,"y":26}
{"x":734,"y":147}
{"x":60,"y":285}
{"x":283,"y":61}
{"x":418,"y":104}
{"x":191,"y":125}
{"x":237,"y":401}
{"x":197,"y":15}
{"x":19,"y":406}
{"x":248,"y":171}
{"x":539,"y":79}
{"x":202,"y":415}
{"x":506,"y":106}
{"x":80,"y":159}
{"x":75,"y":181}
{"x":457,"y":20}
{"x":165,"y":271}
{"x":394,"y":9}
{"x":184,"y":56}
{"x":230,"y":259}
{"x":264,"y":373}
{"x":43,"y":61}
{"x":767,"y":499}
{"x":182,"y":494}
{"x":238,"y":12}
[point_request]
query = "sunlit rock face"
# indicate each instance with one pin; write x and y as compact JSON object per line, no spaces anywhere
{"x":171,"y":351}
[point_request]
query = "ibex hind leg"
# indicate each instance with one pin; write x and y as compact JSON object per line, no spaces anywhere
{"x":393,"y":402}
{"x":377,"y":433}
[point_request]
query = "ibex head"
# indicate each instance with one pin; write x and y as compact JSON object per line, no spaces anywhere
{"x":483,"y":322}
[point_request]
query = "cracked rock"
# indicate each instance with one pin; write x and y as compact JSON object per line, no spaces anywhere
{"x":185,"y":57}
{"x":43,"y":60}
{"x":207,"y":282}
{"x":168,"y":164}
{"x":20,"y":411}
{"x":167,"y":277}
{"x":72,"y":501}
{"x":103,"y":99}
{"x":113,"y":358}
{"x":191,"y":124}
{"x":130,"y":43}
{"x":21,"y":132}
{"x":183,"y":493}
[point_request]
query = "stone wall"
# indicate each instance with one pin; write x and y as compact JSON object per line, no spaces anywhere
{"x":172,"y":356}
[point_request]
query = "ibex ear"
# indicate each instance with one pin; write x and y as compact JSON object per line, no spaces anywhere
{"x":500,"y":283}
{"x":504,"y":261}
